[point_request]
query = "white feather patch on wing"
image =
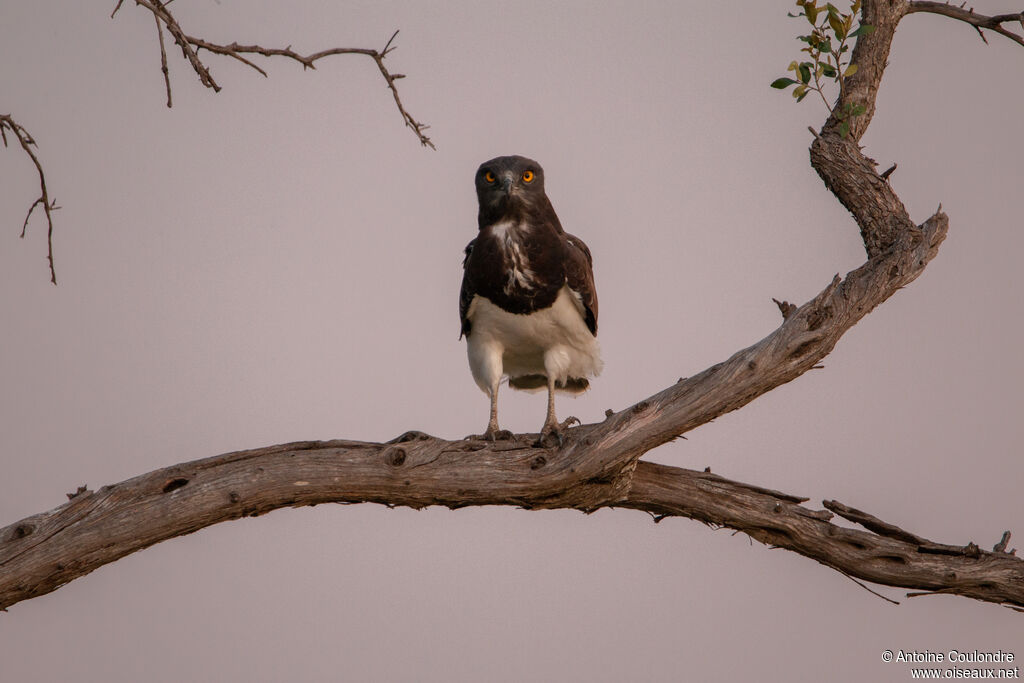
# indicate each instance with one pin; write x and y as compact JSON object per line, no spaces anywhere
{"x":554,"y":342}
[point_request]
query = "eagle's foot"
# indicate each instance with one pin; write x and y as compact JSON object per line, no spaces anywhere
{"x":492,"y":434}
{"x":552,"y":433}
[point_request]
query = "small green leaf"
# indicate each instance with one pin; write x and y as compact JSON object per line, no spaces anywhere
{"x":805,"y":72}
{"x":800,"y":99}
{"x":828,"y":70}
{"x":850,"y":70}
{"x":837,"y":25}
{"x":782,"y":83}
{"x":862,"y":30}
{"x":858,"y":109}
{"x":844,"y":129}
{"x":799,"y":91}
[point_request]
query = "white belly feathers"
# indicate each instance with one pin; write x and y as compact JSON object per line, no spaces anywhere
{"x":554,"y":342}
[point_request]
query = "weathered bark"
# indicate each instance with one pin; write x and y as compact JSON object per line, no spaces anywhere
{"x":598,"y":465}
{"x":43,"y":552}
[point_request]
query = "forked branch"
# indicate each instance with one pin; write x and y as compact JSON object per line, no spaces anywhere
{"x":191,"y":47}
{"x":27,"y":142}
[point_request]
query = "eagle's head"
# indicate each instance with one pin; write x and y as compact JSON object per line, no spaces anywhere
{"x":506,"y":185}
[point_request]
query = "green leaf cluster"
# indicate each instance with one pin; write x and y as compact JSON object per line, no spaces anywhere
{"x":827,"y":59}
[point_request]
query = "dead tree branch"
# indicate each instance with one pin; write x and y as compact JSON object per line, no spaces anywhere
{"x":191,"y":47}
{"x":43,"y":552}
{"x":969,"y":16}
{"x":598,"y":464}
{"x":27,"y":142}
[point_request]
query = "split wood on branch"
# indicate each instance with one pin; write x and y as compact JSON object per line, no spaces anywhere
{"x":191,"y":47}
{"x":27,"y":142}
{"x":598,"y":464}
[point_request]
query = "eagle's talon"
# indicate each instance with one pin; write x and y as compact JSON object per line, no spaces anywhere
{"x":550,"y":436}
{"x":492,"y":435}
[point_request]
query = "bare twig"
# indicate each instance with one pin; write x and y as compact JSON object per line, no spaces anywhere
{"x":978,"y":21}
{"x":191,"y":47}
{"x":163,"y":59}
{"x":869,"y":590}
{"x":27,"y":142}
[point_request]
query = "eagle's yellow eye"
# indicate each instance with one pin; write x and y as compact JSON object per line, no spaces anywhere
{"x":489,"y":177}
{"x":528,"y":177}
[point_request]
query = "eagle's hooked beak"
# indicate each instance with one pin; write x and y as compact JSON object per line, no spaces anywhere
{"x":506,"y":183}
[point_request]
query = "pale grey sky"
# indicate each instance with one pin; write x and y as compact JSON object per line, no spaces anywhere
{"x":281,"y":261}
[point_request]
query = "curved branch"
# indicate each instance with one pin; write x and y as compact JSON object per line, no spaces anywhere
{"x":43,"y":552}
{"x":885,"y":554}
{"x":27,"y":142}
{"x":969,"y":16}
{"x":190,"y":47}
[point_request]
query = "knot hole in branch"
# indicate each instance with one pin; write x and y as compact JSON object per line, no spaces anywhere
{"x":174,"y":484}
{"x":394,"y":456}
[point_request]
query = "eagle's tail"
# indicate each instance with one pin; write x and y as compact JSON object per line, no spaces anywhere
{"x":573,"y":385}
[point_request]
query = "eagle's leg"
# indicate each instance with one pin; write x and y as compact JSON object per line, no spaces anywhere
{"x":551,"y":432}
{"x":493,"y":432}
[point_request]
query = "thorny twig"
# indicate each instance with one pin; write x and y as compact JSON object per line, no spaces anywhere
{"x":27,"y":142}
{"x":191,"y":46}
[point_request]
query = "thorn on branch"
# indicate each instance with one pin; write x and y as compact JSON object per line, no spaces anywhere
{"x":888,"y":172}
{"x":82,"y":490}
{"x":387,"y":46}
